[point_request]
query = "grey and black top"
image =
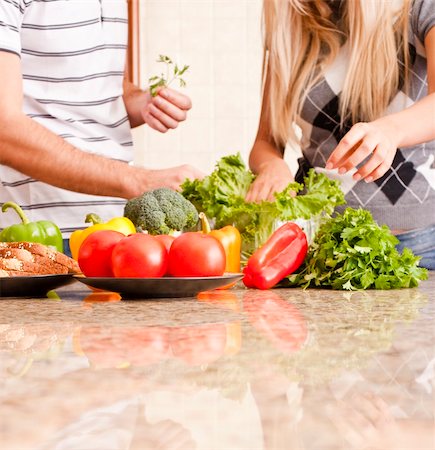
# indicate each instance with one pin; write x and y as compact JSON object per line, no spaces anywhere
{"x":404,"y":198}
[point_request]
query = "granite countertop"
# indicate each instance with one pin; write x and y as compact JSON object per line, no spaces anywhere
{"x":236,"y":369}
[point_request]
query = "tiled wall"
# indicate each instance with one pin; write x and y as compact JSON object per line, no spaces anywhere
{"x":221,"y":41}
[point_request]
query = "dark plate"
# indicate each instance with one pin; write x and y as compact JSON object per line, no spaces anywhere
{"x":32,"y":286}
{"x":166,"y":287}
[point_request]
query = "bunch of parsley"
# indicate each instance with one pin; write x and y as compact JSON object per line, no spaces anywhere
{"x":221,"y":196}
{"x":351,"y":251}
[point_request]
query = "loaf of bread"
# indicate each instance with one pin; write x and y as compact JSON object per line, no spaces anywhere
{"x":29,"y":258}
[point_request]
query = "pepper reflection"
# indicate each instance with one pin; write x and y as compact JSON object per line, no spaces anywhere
{"x":102,"y":296}
{"x":221,"y":298}
{"x":278,"y":320}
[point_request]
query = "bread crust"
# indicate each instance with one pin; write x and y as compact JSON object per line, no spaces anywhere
{"x":28,"y":258}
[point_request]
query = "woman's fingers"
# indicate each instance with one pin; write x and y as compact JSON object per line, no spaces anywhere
{"x":349,"y":141}
{"x":366,"y":146}
{"x":263,"y":191}
{"x":379,"y":172}
{"x":366,"y":406}
{"x":357,"y":154}
{"x":376,"y":166}
{"x":257,"y":192}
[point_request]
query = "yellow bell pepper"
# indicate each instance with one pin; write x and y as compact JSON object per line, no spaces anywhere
{"x":231,"y":241}
{"x":121,"y":224}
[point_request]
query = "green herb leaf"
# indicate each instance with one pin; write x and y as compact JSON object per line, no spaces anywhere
{"x":158,"y":81}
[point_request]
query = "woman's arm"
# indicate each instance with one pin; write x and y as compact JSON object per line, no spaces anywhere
{"x":266,"y":161}
{"x":382,"y":137}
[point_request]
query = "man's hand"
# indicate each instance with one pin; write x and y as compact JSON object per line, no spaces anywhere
{"x":172,"y":177}
{"x":375,"y":141}
{"x":166,"y":110}
{"x":273,"y":177}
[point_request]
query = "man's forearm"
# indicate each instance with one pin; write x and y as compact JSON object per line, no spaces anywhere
{"x":32,"y":149}
{"x":134,"y":99}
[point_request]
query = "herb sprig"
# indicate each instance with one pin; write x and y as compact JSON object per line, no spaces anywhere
{"x":173,"y":72}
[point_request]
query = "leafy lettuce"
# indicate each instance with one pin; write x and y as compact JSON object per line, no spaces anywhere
{"x":221,"y":196}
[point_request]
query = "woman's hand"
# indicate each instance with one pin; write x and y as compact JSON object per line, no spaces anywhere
{"x":365,"y":421}
{"x":376,"y":142}
{"x":273,"y":177}
{"x":166,"y":110}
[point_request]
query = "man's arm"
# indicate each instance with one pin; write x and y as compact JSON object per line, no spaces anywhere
{"x":32,"y":149}
{"x":134,"y":98}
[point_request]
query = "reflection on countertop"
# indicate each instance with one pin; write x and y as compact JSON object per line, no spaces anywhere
{"x":231,"y":369}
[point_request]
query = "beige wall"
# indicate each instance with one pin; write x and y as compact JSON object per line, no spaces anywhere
{"x":221,"y":41}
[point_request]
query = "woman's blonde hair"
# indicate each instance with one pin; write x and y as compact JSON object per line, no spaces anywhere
{"x":302,"y":37}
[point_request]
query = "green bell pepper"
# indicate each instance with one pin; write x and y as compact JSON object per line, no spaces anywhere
{"x":43,"y":231}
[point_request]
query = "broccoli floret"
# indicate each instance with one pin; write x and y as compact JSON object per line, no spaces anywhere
{"x":161,"y":211}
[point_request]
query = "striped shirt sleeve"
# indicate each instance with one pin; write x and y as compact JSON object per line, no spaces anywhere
{"x":11,"y":17}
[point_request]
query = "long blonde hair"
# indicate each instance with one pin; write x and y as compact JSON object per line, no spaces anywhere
{"x":301,"y":38}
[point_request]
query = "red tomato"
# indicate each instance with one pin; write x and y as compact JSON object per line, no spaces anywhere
{"x":201,"y":344}
{"x":95,"y":253}
{"x":196,"y":255}
{"x":121,"y":347}
{"x":139,"y":255}
{"x":166,"y":240}
{"x":100,"y":346}
{"x":145,"y":345}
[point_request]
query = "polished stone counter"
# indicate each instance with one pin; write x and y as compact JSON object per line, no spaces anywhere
{"x":237,"y":369}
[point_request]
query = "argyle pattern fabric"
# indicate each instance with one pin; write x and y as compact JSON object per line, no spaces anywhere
{"x":404,"y":197}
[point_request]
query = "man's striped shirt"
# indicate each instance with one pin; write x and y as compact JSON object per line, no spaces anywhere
{"x":73,"y":56}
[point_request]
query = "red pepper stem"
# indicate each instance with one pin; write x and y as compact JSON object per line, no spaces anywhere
{"x":17,"y":209}
{"x":205,"y":225}
{"x":93,"y":218}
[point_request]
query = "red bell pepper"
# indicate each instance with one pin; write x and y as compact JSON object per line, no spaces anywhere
{"x":280,"y":256}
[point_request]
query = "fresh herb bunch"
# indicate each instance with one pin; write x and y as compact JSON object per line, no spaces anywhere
{"x":351,"y":251}
{"x":173,"y":72}
{"x":221,"y":196}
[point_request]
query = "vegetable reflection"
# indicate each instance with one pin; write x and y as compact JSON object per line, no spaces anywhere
{"x":118,"y":347}
{"x":278,"y":320}
{"x":27,"y":343}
